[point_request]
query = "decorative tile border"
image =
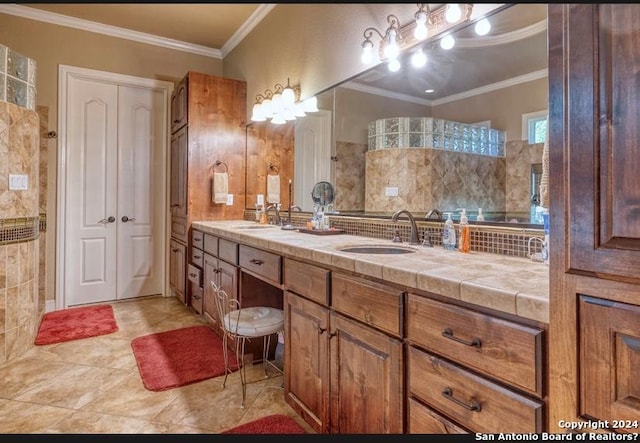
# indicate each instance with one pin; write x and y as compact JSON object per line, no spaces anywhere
{"x":19,"y":230}
{"x":511,"y":241}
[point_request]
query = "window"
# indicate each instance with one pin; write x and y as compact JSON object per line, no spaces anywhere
{"x":534,"y":126}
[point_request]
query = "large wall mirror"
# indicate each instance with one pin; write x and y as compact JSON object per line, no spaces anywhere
{"x":381,"y":144}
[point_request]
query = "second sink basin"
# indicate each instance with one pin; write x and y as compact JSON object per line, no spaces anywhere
{"x":378,"y":249}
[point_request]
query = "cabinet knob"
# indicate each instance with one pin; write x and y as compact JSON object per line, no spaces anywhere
{"x":255,"y":261}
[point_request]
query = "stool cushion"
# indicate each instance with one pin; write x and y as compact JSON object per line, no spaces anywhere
{"x":255,"y":321}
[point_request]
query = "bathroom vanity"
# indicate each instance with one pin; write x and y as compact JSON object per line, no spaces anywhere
{"x":429,"y":341}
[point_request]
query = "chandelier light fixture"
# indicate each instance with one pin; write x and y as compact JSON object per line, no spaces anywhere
{"x":426,"y":23}
{"x":281,"y":105}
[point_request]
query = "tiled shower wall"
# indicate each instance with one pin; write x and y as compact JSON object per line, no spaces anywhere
{"x":20,"y":305}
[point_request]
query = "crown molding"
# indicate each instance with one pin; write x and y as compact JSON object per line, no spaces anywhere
{"x":535,"y":75}
{"x":141,"y":37}
{"x":385,"y":93}
{"x":253,"y":21}
{"x":501,"y":39}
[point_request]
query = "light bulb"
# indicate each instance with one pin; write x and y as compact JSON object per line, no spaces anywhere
{"x":420,"y":32}
{"x":298,"y":109}
{"x":276,"y":103}
{"x":311,"y":104}
{"x":391,"y":51}
{"x":256,"y":114}
{"x":367,"y":52}
{"x":394,"y":65}
{"x":288,"y":97}
{"x":447,"y":42}
{"x":453,"y":13}
{"x":483,"y":27}
{"x":278,"y":119}
{"x":419,"y":59}
{"x":266,"y":108}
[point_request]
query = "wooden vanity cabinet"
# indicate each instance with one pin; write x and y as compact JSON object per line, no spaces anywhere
{"x":223,"y":273}
{"x":177,"y":269}
{"x":208,"y":116}
{"x":340,"y":358}
{"x":594,"y":151}
{"x":482,"y":372}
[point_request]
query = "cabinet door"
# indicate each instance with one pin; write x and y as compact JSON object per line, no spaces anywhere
{"x":610,"y":361}
{"x":367,"y":374}
{"x":211,"y":273}
{"x":306,"y":357}
{"x":178,"y":176}
{"x":177,"y":268}
{"x":601,"y":139}
{"x":179,"y":106}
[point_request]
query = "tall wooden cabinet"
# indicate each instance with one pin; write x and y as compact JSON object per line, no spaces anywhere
{"x":208,"y":117}
{"x":594,"y":97}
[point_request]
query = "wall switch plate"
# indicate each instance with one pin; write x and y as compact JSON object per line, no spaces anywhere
{"x":391,"y":191}
{"x":229,"y":199}
{"x":18,"y":182}
{"x":260,"y":199}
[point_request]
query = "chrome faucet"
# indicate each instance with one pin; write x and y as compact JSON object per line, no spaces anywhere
{"x":435,"y":212}
{"x":413,"y":240}
{"x":274,"y":206}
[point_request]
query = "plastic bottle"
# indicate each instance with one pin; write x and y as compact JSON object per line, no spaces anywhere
{"x":480,"y":215}
{"x":449,"y":234}
{"x":465,"y":234}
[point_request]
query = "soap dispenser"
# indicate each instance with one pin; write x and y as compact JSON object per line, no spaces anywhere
{"x":448,"y":233}
{"x":480,"y":215}
{"x":465,"y":234}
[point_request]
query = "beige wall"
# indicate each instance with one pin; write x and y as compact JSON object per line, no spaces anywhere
{"x":51,"y":45}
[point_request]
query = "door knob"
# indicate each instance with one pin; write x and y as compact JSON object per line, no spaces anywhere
{"x":107,"y":220}
{"x":127,"y":219}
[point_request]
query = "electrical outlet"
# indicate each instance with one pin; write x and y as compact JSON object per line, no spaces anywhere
{"x":391,"y":191}
{"x":18,"y":182}
{"x":229,"y":199}
{"x":260,"y":199}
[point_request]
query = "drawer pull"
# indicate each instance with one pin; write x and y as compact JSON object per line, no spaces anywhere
{"x":193,"y":274}
{"x":197,"y":257}
{"x":474,"y":406}
{"x":196,"y":297}
{"x":320,"y":329}
{"x":475,"y":342}
{"x":217,"y":271}
{"x":255,"y":261}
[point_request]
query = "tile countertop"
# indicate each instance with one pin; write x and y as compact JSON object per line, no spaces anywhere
{"x":508,"y":284}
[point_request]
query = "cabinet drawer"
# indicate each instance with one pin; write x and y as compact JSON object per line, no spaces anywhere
{"x":307,"y":280}
{"x":211,"y":244}
{"x":228,"y":251}
{"x":499,"y":348}
{"x":262,"y":263}
{"x":372,"y":303}
{"x":476,"y":403}
{"x":194,"y":274}
{"x":197,"y":257}
{"x":195,"y":297}
{"x":179,"y":228}
{"x":422,"y":420}
{"x":197,"y":239}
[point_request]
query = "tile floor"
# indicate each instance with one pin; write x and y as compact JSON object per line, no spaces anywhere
{"x":93,"y":386}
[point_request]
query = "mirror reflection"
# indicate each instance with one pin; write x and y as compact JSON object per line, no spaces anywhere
{"x":382,"y":131}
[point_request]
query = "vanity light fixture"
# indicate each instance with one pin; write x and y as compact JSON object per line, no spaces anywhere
{"x":426,"y":23}
{"x":482,"y":26}
{"x":419,"y":58}
{"x":282,"y":105}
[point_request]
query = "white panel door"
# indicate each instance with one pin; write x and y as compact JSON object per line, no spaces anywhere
{"x":114,"y":191}
{"x":140,"y":155}
{"x":312,"y":155}
{"x":91,"y":208}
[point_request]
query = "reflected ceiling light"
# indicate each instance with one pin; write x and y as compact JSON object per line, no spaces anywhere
{"x":419,"y":58}
{"x":394,"y":65}
{"x":422,"y":17}
{"x":282,"y":106}
{"x":483,"y":27}
{"x":453,"y":13}
{"x":447,"y":42}
{"x":428,"y":91}
{"x":426,"y":23}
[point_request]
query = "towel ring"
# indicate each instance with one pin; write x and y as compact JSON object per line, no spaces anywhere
{"x":218,"y":163}
{"x":274,"y":168}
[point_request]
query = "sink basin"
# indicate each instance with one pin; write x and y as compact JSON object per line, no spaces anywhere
{"x":378,"y":249}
